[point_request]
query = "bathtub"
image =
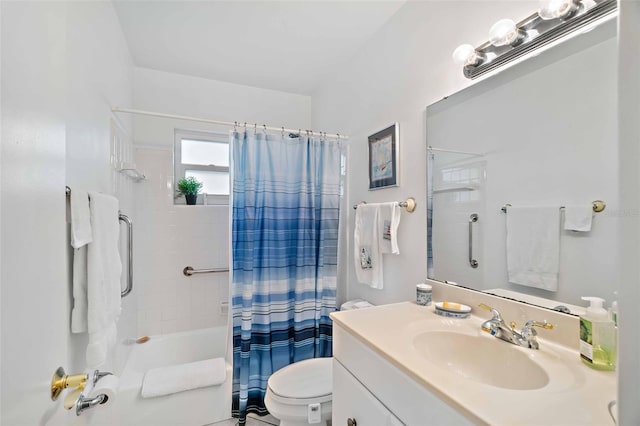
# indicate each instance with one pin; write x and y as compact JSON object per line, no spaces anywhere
{"x":196,"y":407}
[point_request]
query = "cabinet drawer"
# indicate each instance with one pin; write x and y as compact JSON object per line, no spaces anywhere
{"x":351,"y":400}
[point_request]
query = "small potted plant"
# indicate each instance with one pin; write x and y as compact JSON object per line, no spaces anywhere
{"x":189,"y":187}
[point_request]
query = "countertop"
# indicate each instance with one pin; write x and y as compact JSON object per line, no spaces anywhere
{"x":575,"y":394}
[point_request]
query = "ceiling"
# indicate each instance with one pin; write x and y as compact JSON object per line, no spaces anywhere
{"x":282,"y":45}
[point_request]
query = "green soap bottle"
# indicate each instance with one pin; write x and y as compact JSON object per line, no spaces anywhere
{"x":598,"y":338}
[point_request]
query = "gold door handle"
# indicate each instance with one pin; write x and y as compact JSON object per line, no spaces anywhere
{"x":61,"y":381}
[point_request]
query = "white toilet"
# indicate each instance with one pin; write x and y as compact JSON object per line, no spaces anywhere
{"x":300,"y":393}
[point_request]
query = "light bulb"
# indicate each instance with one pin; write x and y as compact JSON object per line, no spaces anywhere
{"x":466,"y":54}
{"x":504,"y":32}
{"x":552,"y":9}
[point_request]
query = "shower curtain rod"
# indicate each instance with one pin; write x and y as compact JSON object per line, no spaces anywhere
{"x":223,"y":123}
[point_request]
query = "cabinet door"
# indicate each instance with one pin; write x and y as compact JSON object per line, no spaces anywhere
{"x":352,"y":401}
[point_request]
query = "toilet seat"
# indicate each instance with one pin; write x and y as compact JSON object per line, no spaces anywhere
{"x":302,"y":383}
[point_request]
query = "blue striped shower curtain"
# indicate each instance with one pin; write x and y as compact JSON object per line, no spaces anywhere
{"x":286,"y":199}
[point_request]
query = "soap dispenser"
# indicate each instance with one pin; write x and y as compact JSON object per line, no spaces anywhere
{"x":597,"y":336}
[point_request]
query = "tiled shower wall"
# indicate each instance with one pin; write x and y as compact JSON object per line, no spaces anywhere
{"x":169,"y":237}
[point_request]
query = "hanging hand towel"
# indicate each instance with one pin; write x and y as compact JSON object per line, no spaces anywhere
{"x":388,"y":221}
{"x":79,"y":311}
{"x":533,"y":246}
{"x":104,"y":269}
{"x":367,"y":257}
{"x":578,"y":218}
{"x":80,"y":218}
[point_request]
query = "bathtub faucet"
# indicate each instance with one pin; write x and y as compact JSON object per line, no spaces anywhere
{"x":86,"y":403}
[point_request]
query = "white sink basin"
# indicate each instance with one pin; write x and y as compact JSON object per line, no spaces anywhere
{"x":486,"y":360}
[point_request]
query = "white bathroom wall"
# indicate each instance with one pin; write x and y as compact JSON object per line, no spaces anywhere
{"x":629,"y":213}
{"x":170,"y":237}
{"x":99,"y":76}
{"x":403,"y":68}
{"x":63,"y":63}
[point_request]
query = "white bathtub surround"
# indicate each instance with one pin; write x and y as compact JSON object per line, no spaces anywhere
{"x":195,"y":407}
{"x":184,"y":377}
{"x":168,"y":238}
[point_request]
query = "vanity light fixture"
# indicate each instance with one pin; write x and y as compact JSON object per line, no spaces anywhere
{"x":466,"y":54}
{"x":505,"y":32}
{"x":554,"y":9}
{"x":509,"y":40}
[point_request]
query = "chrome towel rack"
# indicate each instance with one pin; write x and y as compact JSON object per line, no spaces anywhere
{"x":597,"y":205}
{"x":188,"y":271}
{"x":409,"y":204}
{"x":129,"y":223}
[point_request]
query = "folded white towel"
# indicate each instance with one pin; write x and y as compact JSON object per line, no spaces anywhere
{"x":178,"y":378}
{"x":80,"y":218}
{"x":104,"y":269}
{"x":367,"y":257}
{"x":388,"y":220}
{"x":578,"y":218}
{"x":533,"y":246}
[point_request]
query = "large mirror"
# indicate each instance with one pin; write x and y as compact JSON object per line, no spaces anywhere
{"x":540,"y":134}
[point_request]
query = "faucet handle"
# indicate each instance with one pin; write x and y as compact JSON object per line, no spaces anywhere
{"x":546,"y":325}
{"x":528,"y":329}
{"x":494,"y":311}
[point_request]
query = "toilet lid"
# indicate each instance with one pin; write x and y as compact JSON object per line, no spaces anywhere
{"x":304,"y":379}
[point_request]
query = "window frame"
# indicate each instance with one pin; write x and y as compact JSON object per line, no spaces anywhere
{"x":180,"y":168}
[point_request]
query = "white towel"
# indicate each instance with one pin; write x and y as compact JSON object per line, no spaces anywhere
{"x":104,"y":269}
{"x":578,"y":218}
{"x":533,"y":246}
{"x":178,"y":378}
{"x":80,"y":219}
{"x":367,"y":257}
{"x":79,"y":311}
{"x":388,"y":221}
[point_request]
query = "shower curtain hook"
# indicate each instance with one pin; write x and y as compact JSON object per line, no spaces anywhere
{"x":235,"y":125}
{"x":282,"y":132}
{"x":255,"y":129}
{"x":264,"y":126}
{"x":245,"y":127}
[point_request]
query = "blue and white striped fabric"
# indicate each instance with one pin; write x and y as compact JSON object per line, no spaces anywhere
{"x":286,"y":199}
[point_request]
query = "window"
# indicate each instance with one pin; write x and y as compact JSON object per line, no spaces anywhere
{"x":204,"y":156}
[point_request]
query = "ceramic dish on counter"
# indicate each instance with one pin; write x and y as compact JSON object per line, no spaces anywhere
{"x":452,"y":310}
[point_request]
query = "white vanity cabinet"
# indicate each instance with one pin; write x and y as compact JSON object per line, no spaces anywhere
{"x":354,"y":405}
{"x":372,"y":391}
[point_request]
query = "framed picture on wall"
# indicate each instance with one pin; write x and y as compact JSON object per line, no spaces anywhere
{"x":383,"y":158}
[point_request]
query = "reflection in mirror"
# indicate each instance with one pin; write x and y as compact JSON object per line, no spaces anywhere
{"x":538,"y":135}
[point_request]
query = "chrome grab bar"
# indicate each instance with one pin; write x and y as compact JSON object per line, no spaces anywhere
{"x":129,"y":288}
{"x":188,"y":271}
{"x":472,"y":219}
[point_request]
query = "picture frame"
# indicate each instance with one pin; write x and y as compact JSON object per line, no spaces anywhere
{"x":383,"y":158}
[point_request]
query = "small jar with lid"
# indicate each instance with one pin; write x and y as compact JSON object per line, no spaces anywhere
{"x":423,"y":294}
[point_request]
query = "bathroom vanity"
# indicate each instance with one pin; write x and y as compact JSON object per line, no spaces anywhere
{"x":403,"y":364}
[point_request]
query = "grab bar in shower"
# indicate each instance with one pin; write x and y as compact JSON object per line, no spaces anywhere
{"x":472,"y":219}
{"x":127,"y":221}
{"x":188,"y":271}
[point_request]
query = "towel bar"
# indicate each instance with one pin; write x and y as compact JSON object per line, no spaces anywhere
{"x":409,"y":205}
{"x":129,"y":223}
{"x":598,"y":206}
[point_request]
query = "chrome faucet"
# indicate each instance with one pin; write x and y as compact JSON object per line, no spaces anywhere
{"x":498,"y":328}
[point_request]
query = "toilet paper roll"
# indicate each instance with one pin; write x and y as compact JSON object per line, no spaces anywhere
{"x":107,"y":385}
